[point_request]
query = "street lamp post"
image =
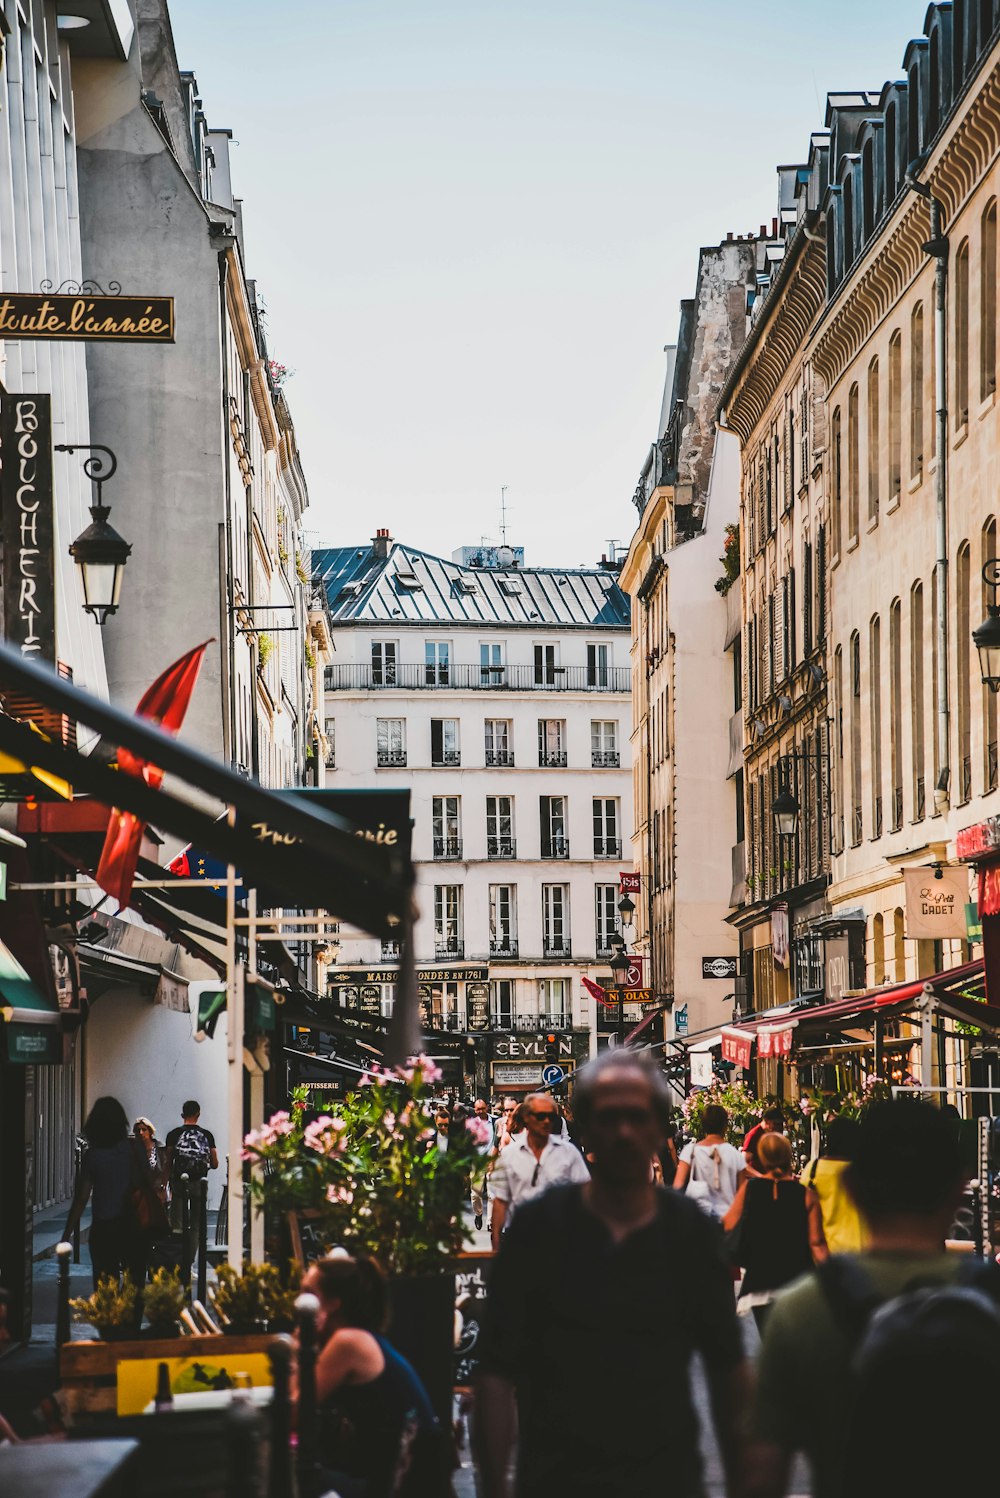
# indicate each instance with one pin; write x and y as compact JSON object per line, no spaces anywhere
{"x":987,"y":637}
{"x":99,"y":551}
{"x":619,"y":968}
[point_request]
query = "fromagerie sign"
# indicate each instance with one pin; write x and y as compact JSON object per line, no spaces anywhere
{"x":935,"y":903}
{"x":107,"y":319}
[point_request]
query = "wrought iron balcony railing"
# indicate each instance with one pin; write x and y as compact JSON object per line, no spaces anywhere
{"x":605,"y":759}
{"x":504,"y":946}
{"x":391,"y":757}
{"x":557,"y":847}
{"x":500,"y":759}
{"x":449,"y":946}
{"x":607,"y":847}
{"x":552,"y":759}
{"x":556,"y":946}
{"x":446,"y":757}
{"x":447,"y":847}
{"x":501,"y":847}
{"x":412,"y":677}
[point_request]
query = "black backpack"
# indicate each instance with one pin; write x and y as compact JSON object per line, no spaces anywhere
{"x":192,"y":1153}
{"x":925,"y":1368}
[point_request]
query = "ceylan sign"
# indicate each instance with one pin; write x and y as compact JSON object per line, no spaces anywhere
{"x":29,"y":574}
{"x":82,"y":318}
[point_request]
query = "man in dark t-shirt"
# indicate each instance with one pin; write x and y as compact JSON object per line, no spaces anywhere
{"x":190,"y":1151}
{"x":599,"y":1296}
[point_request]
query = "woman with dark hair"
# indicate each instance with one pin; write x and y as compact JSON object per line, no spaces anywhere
{"x":110,"y":1172}
{"x":373,"y":1407}
{"x":711,"y":1169}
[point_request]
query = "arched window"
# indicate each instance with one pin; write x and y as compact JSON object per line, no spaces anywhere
{"x":891,"y":173}
{"x":989,"y":551}
{"x":875,"y":714}
{"x":961,"y":294}
{"x":988,"y":303}
{"x":895,"y":416}
{"x":853,"y":465}
{"x":896,"y":710}
{"x":918,"y":646}
{"x":917,"y":390}
{"x":874,"y":453}
{"x":898,"y":947}
{"x":836,"y":459}
{"x":878,"y":949}
{"x":963,"y":642}
{"x":857,"y":812}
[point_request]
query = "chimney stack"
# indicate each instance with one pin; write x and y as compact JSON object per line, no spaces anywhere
{"x":381,"y":542}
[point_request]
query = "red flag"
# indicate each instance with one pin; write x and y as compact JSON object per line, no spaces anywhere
{"x":597,"y":992}
{"x":165,"y":703}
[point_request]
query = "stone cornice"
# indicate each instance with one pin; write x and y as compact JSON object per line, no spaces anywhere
{"x":778,"y":339}
{"x":958,"y":162}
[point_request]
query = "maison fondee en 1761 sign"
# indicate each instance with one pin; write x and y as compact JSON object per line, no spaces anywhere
{"x":82,"y":317}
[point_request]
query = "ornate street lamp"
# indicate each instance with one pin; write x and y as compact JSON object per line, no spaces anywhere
{"x":99,"y":551}
{"x":785,"y":810}
{"x":987,"y":637}
{"x":626,"y":909}
{"x":620,"y":965}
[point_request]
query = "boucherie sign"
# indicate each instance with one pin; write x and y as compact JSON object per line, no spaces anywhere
{"x":83,"y":318}
{"x":935,"y":903}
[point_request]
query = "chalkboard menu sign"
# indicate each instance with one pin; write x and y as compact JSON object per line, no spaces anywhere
{"x":477,"y":1005}
{"x":471,"y":1285}
{"x":371,"y":999}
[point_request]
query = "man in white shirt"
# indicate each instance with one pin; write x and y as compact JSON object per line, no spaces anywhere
{"x":533,"y":1161}
{"x":481,"y":1109}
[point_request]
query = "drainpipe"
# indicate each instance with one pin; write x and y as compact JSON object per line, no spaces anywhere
{"x":226,"y":548}
{"x":937,"y":248}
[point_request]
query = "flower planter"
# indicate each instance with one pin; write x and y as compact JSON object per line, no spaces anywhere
{"x":422,"y":1328}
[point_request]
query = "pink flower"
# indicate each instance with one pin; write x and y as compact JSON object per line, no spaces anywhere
{"x":279,"y":1123}
{"x":339,"y":1196}
{"x":479,"y":1129}
{"x":807,"y":1107}
{"x":429,"y":1071}
{"x":323,"y":1135}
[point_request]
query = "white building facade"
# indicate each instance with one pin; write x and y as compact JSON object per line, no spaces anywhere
{"x":498,"y":695}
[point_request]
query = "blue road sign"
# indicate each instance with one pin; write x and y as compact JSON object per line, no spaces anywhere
{"x":552,"y":1075}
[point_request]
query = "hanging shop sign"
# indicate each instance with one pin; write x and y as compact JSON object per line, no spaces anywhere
{"x":629,"y":884}
{"x":701,"y":1069}
{"x":26,"y":527}
{"x":681,"y":1020}
{"x":477,"y":1006}
{"x":718,"y":967}
{"x":984,"y":837}
{"x":775,"y":1040}
{"x":779,"y":935}
{"x":736,"y":1046}
{"x":935,"y":903}
{"x":989,"y":892}
{"x":90,"y":319}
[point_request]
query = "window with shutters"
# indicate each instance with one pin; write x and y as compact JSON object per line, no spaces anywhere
{"x":895,"y":416}
{"x":853,"y":465}
{"x":784,"y":652}
{"x":789,"y":473}
{"x":772,"y":647}
{"x":821,"y":586}
{"x":963,"y":641}
{"x":988,"y":303}
{"x":807,"y":599}
{"x":837,"y":828}
{"x":763,"y":484}
{"x":875,"y":714}
{"x":774,"y":480}
{"x":874,"y":451}
{"x":987,"y":554}
{"x":750,"y":509}
{"x":961,"y":296}
{"x":804,"y":436}
{"x":444,"y":742}
{"x":896,"y":710}
{"x":791,"y":652}
{"x":857,"y":812}
{"x":917,"y":390}
{"x":836,"y":513}
{"x":917,"y":649}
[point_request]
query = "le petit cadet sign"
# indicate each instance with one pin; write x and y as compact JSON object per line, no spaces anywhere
{"x":110,"y":319}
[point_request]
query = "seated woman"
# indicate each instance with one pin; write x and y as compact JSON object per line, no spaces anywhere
{"x":375,"y":1416}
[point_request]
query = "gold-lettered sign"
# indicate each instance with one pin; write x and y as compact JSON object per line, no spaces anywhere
{"x":84,"y":318}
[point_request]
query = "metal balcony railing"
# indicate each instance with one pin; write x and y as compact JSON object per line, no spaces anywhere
{"x":552,"y":759}
{"x":449,"y":946}
{"x":920,"y":800}
{"x":504,"y":946}
{"x":390,"y":951}
{"x":605,"y":759}
{"x":557,"y":847}
{"x":444,"y":1022}
{"x":447,"y":847}
{"x":532,"y":1021}
{"x":391,"y":757}
{"x":607,"y":847}
{"x":965,"y":784}
{"x":446,"y":757}
{"x":991,"y":765}
{"x":897,"y":807}
{"x":414,"y":677}
{"x":500,"y":759}
{"x":501,"y":847}
{"x":556,"y":946}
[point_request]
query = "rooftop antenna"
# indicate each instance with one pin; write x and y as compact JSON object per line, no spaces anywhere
{"x":612,"y":548}
{"x":503,"y":514}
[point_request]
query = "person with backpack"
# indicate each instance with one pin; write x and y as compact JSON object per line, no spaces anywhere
{"x":882,"y":1367}
{"x":190,"y":1151}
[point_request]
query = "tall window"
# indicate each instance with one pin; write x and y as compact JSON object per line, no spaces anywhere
{"x":552,"y":742}
{"x":874,"y":450}
{"x":491,"y":664}
{"x":853,"y":466}
{"x":607,"y":827}
{"x":989,"y":551}
{"x":895,"y":416}
{"x":875,"y":708}
{"x":961,"y":295}
{"x":437,"y":661}
{"x":552,"y":818}
{"x":606,"y":917}
{"x":553,"y":1002}
{"x":546,"y":661}
{"x":836,"y":457}
{"x":598,"y":665}
{"x":499,"y":735}
{"x":932,"y":625}
{"x":963,"y":642}
{"x":446,"y":815}
{"x":390,"y":741}
{"x":448,"y":938}
{"x":500,"y":826}
{"x":878,"y":948}
{"x":917,"y":390}
{"x":503,"y":1003}
{"x":896,"y":710}
{"x":555,"y":920}
{"x":444,"y":742}
{"x":917,"y":649}
{"x":383,"y":663}
{"x":503,"y":920}
{"x":988,"y":303}
{"x":857,"y":814}
{"x":838,"y":744}
{"x":604,"y":744}
{"x":898,"y":945}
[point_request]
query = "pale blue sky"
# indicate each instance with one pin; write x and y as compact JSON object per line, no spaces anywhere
{"x":472,"y":224}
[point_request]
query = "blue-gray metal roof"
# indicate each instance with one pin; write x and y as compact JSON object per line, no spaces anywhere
{"x":363,"y":588}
